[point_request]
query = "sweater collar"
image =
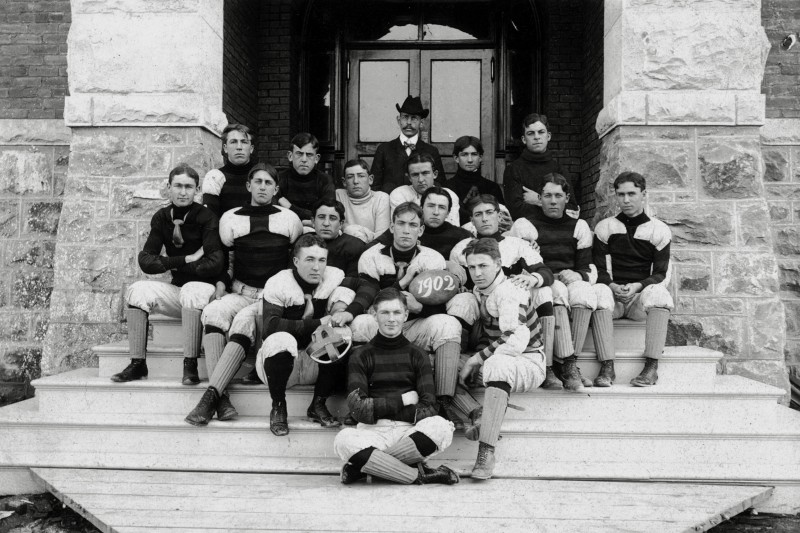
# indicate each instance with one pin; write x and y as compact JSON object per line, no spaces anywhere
{"x":257,"y":210}
{"x":538,"y":214}
{"x":529,"y":156}
{"x":638,"y":220}
{"x":361,"y":201}
{"x":467,"y":178}
{"x":379,"y":341}
{"x":238,"y":170}
{"x":446,"y":226}
{"x":307,"y":288}
{"x":501,"y":277}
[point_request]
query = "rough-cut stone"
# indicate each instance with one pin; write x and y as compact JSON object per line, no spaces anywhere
{"x":719,"y":306}
{"x":20,"y":364}
{"x":91,"y":307}
{"x":691,"y":107}
{"x":780,"y":131}
{"x":751,"y":108}
{"x":780,"y":212}
{"x":43,"y":217}
{"x":730,"y":169}
{"x":69,"y":346}
{"x":746,"y":273}
{"x":694,"y":279}
{"x":769,"y":372}
{"x":9,"y":219}
{"x":126,"y":6}
{"x":40,"y":323}
{"x":25,"y":172}
{"x":792,"y":352}
{"x":37,"y":254}
{"x":116,"y":233}
{"x":666,"y":165}
{"x":31,"y":289}
{"x":700,"y":223}
{"x":174,"y":136}
{"x":108,"y":153}
{"x":783,"y":192}
{"x":776,"y":164}
{"x":137,"y":198}
{"x":85,"y":188}
{"x":34,"y":131}
{"x":679,"y":255}
{"x":159,"y":160}
{"x":754,"y":226}
{"x":790,"y":276}
{"x":723,"y":333}
{"x":787,"y":240}
{"x":77,"y":221}
{"x":767,"y":328}
{"x":94,"y":268}
{"x":792,"y":313}
{"x":13,"y":326}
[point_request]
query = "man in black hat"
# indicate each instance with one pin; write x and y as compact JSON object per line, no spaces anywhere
{"x":389,"y":165}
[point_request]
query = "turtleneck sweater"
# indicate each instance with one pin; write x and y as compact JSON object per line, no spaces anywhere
{"x":468,"y":185}
{"x":386,"y":368}
{"x":527,"y":171}
{"x":226,"y":187}
{"x":371,"y":212}
{"x":562,"y":243}
{"x":304,"y":191}
{"x":443,"y":238}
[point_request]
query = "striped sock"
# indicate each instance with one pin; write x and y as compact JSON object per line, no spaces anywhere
{"x":228,"y":365}
{"x":192,"y":332}
{"x":406,"y":451}
{"x":603,"y":334}
{"x":562,"y":343}
{"x":656,"y":332}
{"x":213,"y":344}
{"x":494,"y":410}
{"x":137,"y":332}
{"x":446,"y":368}
{"x":580,"y":327}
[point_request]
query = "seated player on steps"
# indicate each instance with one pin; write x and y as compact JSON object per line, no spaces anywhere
{"x":367,"y":212}
{"x":631,"y":253}
{"x":421,"y":171}
{"x":328,"y":217}
{"x":392,"y":398}
{"x":259,"y":236}
{"x":188,"y":232}
{"x":509,"y":349}
{"x":566,"y":246}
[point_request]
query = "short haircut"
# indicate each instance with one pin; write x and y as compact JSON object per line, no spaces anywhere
{"x":266,"y":167}
{"x":328,"y":202}
{"x":483,"y":199}
{"x":307,"y":240}
{"x":436,"y":190}
{"x":556,"y":178}
{"x":484,"y":245}
{"x":241,"y":128}
{"x":356,"y":163}
{"x":184,"y":168}
{"x":632,"y":177}
{"x":417,"y":158}
{"x":389,"y":294}
{"x":304,"y":138}
{"x":407,"y":207}
{"x":532,"y":118}
{"x":462,"y":143}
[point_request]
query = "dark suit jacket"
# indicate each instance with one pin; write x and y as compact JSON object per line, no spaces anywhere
{"x":389,"y":165}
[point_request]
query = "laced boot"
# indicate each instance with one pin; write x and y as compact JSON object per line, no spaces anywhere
{"x":137,"y":369}
{"x":607,"y":376}
{"x":649,"y":374}
{"x":350,"y":474}
{"x":449,"y":412}
{"x":205,"y":408}
{"x":570,"y":375}
{"x":225,"y":409}
{"x":551,"y":382}
{"x":441,"y":475}
{"x":318,"y":412}
{"x":279,"y":419}
{"x":190,"y":375}
{"x":484,"y":464}
{"x":473,"y":430}
{"x":251,"y":378}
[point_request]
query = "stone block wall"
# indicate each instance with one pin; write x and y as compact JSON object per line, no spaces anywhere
{"x":781,"y":83}
{"x":34,"y":155}
{"x":116,"y":181}
{"x":240,"y":62}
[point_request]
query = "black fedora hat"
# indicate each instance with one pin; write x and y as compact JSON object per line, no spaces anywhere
{"x":413,"y":106}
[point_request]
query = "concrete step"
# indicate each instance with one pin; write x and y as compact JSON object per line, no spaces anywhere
{"x":678,"y":364}
{"x":165,"y":331}
{"x":671,"y":446}
{"x":83,"y":391}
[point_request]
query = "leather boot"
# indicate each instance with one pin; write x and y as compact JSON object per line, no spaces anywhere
{"x":137,"y":369}
{"x":649,"y":374}
{"x":607,"y":376}
{"x":586,"y":381}
{"x":318,"y":412}
{"x":441,"y":475}
{"x":349,"y":420}
{"x":570,"y":375}
{"x":350,"y":474}
{"x":449,"y":412}
{"x":225,"y":409}
{"x":473,"y":430}
{"x":205,"y":408}
{"x":279,"y":419}
{"x":190,"y":376}
{"x":484,"y":464}
{"x":251,"y":378}
{"x":551,"y":382}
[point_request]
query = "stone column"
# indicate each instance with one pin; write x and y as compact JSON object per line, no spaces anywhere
{"x":145,"y":85}
{"x":683,"y":106}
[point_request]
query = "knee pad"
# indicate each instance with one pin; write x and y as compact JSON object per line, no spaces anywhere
{"x":541,"y":295}
{"x":560,"y":293}
{"x":364,"y":328}
{"x":138,"y":295}
{"x":581,"y":294}
{"x":605,"y":298}
{"x":244,"y":323}
{"x":196,"y":295}
{"x":656,"y":296}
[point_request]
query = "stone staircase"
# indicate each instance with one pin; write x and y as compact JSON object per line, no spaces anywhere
{"x":694,"y":426}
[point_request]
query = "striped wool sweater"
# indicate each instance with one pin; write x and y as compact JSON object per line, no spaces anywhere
{"x":225,"y":188}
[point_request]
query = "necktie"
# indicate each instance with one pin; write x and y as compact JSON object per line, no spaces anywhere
{"x":309,"y":312}
{"x":410,"y":147}
{"x":177,"y":237}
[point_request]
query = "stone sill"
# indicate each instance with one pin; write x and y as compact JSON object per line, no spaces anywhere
{"x":34,"y":131}
{"x":781,"y":132}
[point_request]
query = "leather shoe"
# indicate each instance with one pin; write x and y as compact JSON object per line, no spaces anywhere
{"x":190,"y":375}
{"x":606,"y":376}
{"x":137,"y":369}
{"x":484,"y":463}
{"x":318,"y":412}
{"x":570,"y":375}
{"x":649,"y":374}
{"x":279,"y":419}
{"x":441,"y":475}
{"x":350,"y":474}
{"x":204,"y":410}
{"x":225,"y":409}
{"x":448,"y":411}
{"x":551,"y":382}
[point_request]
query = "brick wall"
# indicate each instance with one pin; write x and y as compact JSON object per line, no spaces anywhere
{"x":33,"y":58}
{"x":592,"y":103}
{"x":782,"y":74}
{"x":274,"y":81}
{"x":240,"y":62}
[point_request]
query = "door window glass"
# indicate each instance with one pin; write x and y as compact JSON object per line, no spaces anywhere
{"x":455,"y":99}
{"x":381,"y":85}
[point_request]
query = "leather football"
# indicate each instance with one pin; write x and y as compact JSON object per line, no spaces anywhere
{"x":434,"y":287}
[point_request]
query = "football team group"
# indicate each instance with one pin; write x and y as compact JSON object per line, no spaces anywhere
{"x":399,"y":290}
